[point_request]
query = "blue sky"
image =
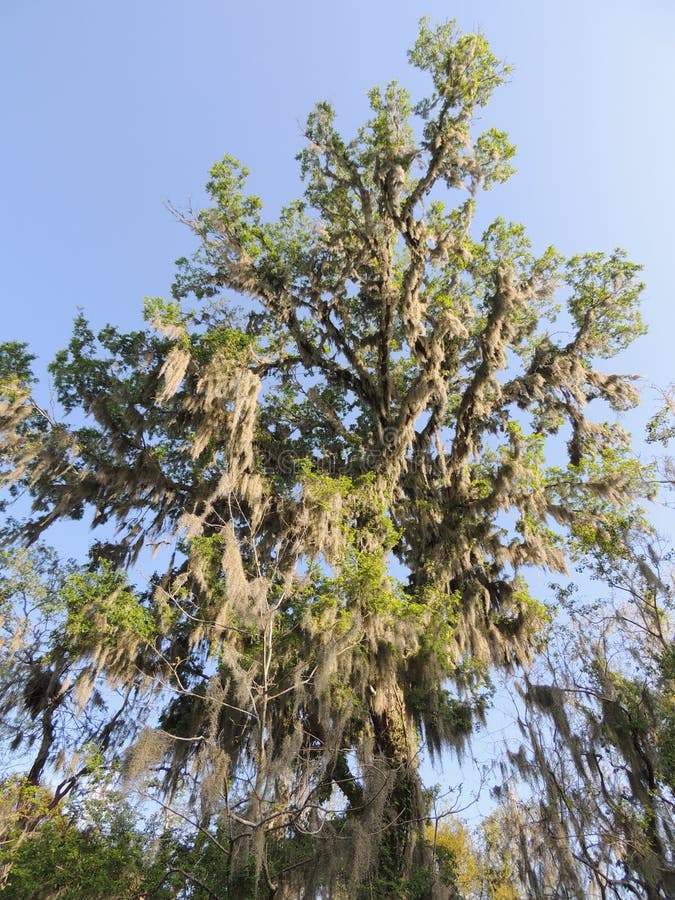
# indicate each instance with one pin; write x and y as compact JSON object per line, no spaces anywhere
{"x":110,"y":109}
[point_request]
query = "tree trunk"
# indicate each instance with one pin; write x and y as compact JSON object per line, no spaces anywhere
{"x":402,"y":852}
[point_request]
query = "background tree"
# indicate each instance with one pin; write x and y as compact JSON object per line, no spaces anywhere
{"x":45,"y":855}
{"x":598,"y":722}
{"x":347,"y":476}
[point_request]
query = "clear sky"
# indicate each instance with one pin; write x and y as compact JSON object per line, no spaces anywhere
{"x":111,"y":108}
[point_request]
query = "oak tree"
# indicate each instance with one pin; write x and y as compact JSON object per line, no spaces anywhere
{"x":350,"y":434}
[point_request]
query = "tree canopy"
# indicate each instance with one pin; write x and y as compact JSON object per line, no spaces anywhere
{"x":348,"y":438}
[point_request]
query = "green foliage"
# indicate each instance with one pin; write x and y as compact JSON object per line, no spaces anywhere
{"x":241,"y":211}
{"x":602,"y":308}
{"x":106,"y":858}
{"x":493,"y":152}
{"x":161,"y":312}
{"x":665,"y":710}
{"x":661,"y":427}
{"x":15,"y":363}
{"x":102,"y":609}
{"x":464,"y":70}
